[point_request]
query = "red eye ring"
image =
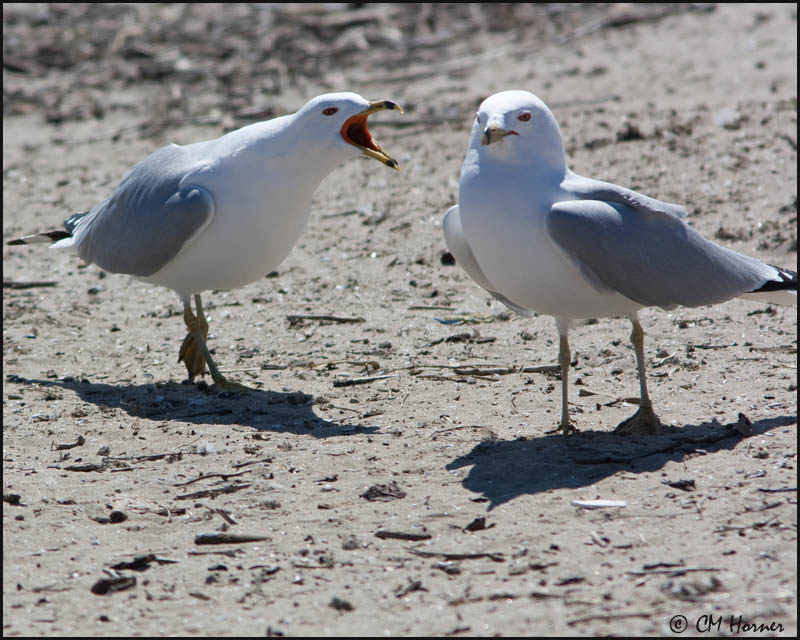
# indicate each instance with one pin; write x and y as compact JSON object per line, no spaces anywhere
{"x":524,"y":117}
{"x":329,"y":111}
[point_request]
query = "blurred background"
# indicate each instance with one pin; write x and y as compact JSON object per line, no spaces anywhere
{"x":237,"y":63}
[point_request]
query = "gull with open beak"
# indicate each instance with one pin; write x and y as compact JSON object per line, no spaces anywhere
{"x":222,"y":213}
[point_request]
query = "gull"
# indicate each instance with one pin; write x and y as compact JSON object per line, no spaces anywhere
{"x":542,"y":239}
{"x":222,"y":213}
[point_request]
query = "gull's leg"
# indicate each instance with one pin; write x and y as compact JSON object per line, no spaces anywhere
{"x":644,"y":420}
{"x":190,"y":353}
{"x":564,"y":359}
{"x":194,"y":350}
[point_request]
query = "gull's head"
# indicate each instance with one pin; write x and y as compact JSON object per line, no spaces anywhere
{"x":341,"y":120}
{"x":517,"y":125}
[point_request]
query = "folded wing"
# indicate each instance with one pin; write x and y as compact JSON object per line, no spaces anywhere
{"x":149,"y":219}
{"x":650,"y":255}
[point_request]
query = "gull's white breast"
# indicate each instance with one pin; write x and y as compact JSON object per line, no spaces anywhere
{"x":504,"y":218}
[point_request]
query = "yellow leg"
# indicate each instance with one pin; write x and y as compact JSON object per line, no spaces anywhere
{"x":191,"y":353}
{"x":644,"y":420}
{"x":564,"y":358}
{"x":194,"y":350}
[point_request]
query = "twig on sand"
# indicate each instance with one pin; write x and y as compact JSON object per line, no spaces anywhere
{"x":249,"y":462}
{"x":402,"y":535}
{"x":297,"y":318}
{"x":206,"y":493}
{"x":756,"y":525}
{"x":15,"y":284}
{"x":486,"y":369}
{"x":542,"y":368}
{"x":221,"y":537}
{"x":68,"y":445}
{"x":493,"y":556}
{"x":348,"y":382}
{"x":205,"y":476}
{"x":671,"y":572}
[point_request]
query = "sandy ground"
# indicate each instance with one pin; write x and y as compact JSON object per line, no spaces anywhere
{"x":432,"y":500}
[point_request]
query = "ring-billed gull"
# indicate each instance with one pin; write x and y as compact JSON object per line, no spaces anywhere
{"x":543,"y":239}
{"x":222,"y":213}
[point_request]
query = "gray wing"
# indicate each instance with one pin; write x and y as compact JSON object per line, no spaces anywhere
{"x":149,"y":219}
{"x":651,"y":258}
{"x":457,"y":243}
{"x":590,"y":189}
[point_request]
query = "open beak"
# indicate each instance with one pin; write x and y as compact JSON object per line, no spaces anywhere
{"x":355,"y":132}
{"x":494,"y":133}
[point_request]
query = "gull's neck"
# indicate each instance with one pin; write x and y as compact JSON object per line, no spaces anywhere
{"x":275,"y":146}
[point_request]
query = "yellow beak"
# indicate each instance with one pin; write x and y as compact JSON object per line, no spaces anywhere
{"x":355,"y":132}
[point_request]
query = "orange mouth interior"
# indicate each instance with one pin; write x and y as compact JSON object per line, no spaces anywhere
{"x":355,"y":131}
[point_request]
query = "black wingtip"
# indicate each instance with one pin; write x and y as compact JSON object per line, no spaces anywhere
{"x":48,"y":236}
{"x":70,"y":224}
{"x":787,"y":281}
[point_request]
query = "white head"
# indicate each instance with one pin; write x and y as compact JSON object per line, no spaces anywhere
{"x":517,"y":127}
{"x":339,"y":121}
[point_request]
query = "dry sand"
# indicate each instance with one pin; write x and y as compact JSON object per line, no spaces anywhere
{"x":432,"y":500}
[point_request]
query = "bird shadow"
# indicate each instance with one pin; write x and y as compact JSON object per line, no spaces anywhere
{"x":504,"y":470}
{"x":273,"y":411}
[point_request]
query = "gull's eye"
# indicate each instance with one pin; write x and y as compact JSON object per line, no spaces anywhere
{"x":524,"y":117}
{"x":329,"y":111}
